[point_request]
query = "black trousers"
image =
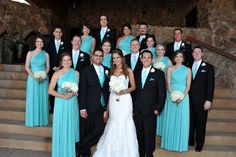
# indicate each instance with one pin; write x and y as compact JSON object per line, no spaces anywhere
{"x":198,"y":120}
{"x":90,"y":132}
{"x":146,"y":134}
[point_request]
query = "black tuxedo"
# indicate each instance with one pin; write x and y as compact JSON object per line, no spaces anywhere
{"x":143,"y":44}
{"x":187,"y":49}
{"x":202,"y":89}
{"x":149,"y":98}
{"x":138,"y":65}
{"x":54,"y":61}
{"x":109,"y":35}
{"x":89,"y":99}
{"x":83,"y":61}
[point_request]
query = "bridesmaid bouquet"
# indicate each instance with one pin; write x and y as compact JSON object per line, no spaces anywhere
{"x":176,"y":96}
{"x":40,"y":75}
{"x":159,"y":65}
{"x":117,"y":86}
{"x":70,"y":87}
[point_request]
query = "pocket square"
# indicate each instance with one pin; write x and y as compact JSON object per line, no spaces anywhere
{"x":203,"y":71}
{"x":151,"y":79}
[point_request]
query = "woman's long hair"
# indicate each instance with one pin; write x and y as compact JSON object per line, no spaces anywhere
{"x":124,"y":66}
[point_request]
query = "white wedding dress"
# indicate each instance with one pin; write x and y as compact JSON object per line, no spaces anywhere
{"x":119,"y":137}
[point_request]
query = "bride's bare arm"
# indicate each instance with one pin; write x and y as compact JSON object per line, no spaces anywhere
{"x":132,"y":81}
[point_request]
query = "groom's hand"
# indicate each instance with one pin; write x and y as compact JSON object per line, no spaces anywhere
{"x":83,"y":114}
{"x":156,"y":112}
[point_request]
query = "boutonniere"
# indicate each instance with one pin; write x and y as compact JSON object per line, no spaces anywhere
{"x":108,"y":30}
{"x":203,"y":64}
{"x":182,"y":44}
{"x":62,"y":43}
{"x":152,"y":70}
{"x":81,"y":55}
{"x":108,"y":35}
{"x":203,"y":71}
{"x":106,"y":72}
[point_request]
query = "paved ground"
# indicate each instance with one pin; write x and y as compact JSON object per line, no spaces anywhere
{"x":9,"y":152}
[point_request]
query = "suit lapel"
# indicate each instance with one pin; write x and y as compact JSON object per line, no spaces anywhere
{"x":148,"y":77}
{"x":95,"y":75}
{"x":198,"y":70}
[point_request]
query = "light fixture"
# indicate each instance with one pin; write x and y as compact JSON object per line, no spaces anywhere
{"x":21,"y":1}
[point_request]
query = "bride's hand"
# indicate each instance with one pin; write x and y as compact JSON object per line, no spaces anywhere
{"x":105,"y":116}
{"x":122,"y":92}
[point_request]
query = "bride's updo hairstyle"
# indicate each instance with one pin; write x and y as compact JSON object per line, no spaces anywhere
{"x":124,"y":66}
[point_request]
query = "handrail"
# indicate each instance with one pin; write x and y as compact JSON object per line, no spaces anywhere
{"x":212,"y":48}
{"x":2,"y":33}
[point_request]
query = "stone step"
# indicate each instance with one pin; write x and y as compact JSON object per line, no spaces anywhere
{"x":13,"y":75}
{"x":229,"y":126}
{"x":12,"y":67}
{"x":12,"y":103}
{"x":12,"y":152}
{"x":18,"y":127}
{"x":27,"y":142}
{"x":222,"y":92}
{"x":13,"y":93}
{"x":224,"y":102}
{"x":222,"y":114}
{"x":13,"y":84}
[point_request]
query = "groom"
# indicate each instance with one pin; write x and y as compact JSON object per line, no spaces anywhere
{"x":150,"y":99}
{"x":93,"y":98}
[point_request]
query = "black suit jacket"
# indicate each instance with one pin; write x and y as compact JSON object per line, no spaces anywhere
{"x":203,"y":85}
{"x":153,"y":95}
{"x":109,"y":35}
{"x":83,"y":61}
{"x":143,"y":44}
{"x":90,"y":90}
{"x":53,"y":55}
{"x":187,"y":48}
{"x":138,"y":65}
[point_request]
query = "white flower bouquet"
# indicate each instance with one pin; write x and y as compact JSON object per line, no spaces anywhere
{"x":117,"y":86}
{"x":176,"y":96}
{"x":70,"y":87}
{"x":159,"y":65}
{"x":40,"y":75}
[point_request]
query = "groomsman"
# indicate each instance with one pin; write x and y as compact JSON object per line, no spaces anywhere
{"x":179,"y":44}
{"x":105,"y":33}
{"x":93,"y":99}
{"x":150,"y":99}
{"x":201,"y":95}
{"x":79,"y":59}
{"x":55,"y":48}
{"x":143,"y":34}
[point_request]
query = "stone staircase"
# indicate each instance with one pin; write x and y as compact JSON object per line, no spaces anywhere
{"x":220,"y":136}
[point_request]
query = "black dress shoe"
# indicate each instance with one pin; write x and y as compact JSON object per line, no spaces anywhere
{"x":198,"y":148}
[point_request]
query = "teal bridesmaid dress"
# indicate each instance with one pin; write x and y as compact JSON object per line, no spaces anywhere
{"x":107,"y":60}
{"x":86,"y":45}
{"x":124,"y":45}
{"x":175,"y":132}
{"x":163,"y":113}
{"x":37,"y":94}
{"x":65,"y":131}
{"x":154,"y":51}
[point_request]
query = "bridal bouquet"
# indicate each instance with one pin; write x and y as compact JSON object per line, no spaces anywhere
{"x":159,"y":65}
{"x":117,"y":86}
{"x":70,"y":87}
{"x":40,"y":75}
{"x":176,"y":96}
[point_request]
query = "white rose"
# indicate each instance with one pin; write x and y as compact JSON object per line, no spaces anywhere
{"x":81,"y":55}
{"x":62,"y":43}
{"x":183,"y":44}
{"x":203,"y":64}
{"x":152,"y":70}
{"x":108,"y":30}
{"x":106,"y":72}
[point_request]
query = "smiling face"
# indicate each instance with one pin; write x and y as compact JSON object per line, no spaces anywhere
{"x":57,"y":33}
{"x":103,"y":21}
{"x":178,"y":35}
{"x":135,"y":46}
{"x":197,"y":54}
{"x":39,"y":43}
{"x":179,"y":58}
{"x":117,"y":59}
{"x":146,"y":59}
{"x":76,"y":43}
{"x":160,"y":51}
{"x":97,"y":57}
{"x":150,"y":42}
{"x":143,"y":29}
{"x":66,"y":61}
{"x":126,"y":31}
{"x":106,"y":47}
{"x":85,"y":30}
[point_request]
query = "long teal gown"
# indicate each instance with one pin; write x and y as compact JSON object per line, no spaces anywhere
{"x":37,"y":94}
{"x":65,"y":131}
{"x":86,"y":45}
{"x":160,"y":116}
{"x":107,"y":60}
{"x":154,"y":52}
{"x":124,"y":45}
{"x":175,"y":132}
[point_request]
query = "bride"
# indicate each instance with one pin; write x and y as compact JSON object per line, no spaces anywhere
{"x":119,"y":138}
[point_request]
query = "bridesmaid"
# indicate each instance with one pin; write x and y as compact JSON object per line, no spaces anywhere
{"x":65,"y":131}
{"x":123,"y":42}
{"x":36,"y":90}
{"x":88,"y":42}
{"x":106,"y":48}
{"x":166,"y":61}
{"x":175,"y":133}
{"x":151,"y":45}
